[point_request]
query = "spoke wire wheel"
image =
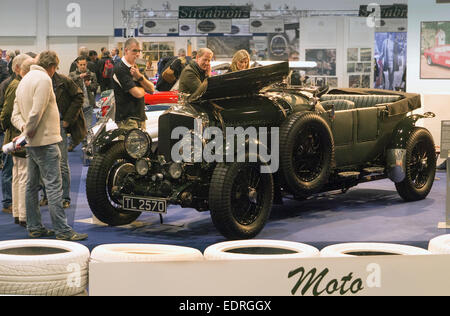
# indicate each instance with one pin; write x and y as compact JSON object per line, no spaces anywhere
{"x":306,"y":153}
{"x":99,"y":185}
{"x":259,"y":249}
{"x":420,"y":166}
{"x":246,"y":198}
{"x":240,"y":199}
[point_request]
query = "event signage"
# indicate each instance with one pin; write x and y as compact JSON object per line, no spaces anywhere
{"x":213,"y":26}
{"x":266,"y":26}
{"x":395,"y":11}
{"x":160,"y":26}
{"x":214,"y":12}
{"x":316,"y":276}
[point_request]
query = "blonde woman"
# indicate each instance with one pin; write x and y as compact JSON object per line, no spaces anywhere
{"x":240,"y":61}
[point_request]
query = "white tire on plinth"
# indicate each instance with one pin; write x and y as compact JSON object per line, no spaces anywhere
{"x":43,"y":267}
{"x":259,"y":249}
{"x":368,"y":249}
{"x":439,"y":245}
{"x":144,"y":253}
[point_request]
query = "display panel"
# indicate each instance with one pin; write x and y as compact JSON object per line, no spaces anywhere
{"x":225,"y":47}
{"x":435,"y":50}
{"x":325,"y":59}
{"x":390,"y":60}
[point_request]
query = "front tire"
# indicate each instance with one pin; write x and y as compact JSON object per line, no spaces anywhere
{"x":99,"y":185}
{"x":420,"y":166}
{"x":240,"y":199}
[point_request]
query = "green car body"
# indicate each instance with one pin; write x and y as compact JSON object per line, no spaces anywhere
{"x":324,"y":140}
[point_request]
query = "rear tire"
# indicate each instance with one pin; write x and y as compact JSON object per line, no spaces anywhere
{"x":306,"y":153}
{"x":99,"y":187}
{"x":420,"y":166}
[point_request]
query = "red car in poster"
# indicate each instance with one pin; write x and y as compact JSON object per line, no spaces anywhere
{"x":439,"y":55}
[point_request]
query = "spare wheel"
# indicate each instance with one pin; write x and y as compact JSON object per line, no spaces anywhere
{"x":43,"y":267}
{"x":306,"y":153}
{"x":144,"y":253}
{"x":259,"y":249}
{"x":370,"y":249}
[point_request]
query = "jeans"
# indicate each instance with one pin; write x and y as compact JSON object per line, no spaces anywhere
{"x":65,"y":168}
{"x":7,"y":180}
{"x":88,"y":113}
{"x":44,"y":162}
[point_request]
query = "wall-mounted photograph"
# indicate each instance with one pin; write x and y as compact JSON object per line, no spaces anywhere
{"x":390,"y":60}
{"x":325,"y":59}
{"x":435,"y":50}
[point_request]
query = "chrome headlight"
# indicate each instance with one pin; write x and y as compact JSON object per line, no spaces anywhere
{"x":137,"y":143}
{"x":175,"y":170}
{"x":143,"y":166}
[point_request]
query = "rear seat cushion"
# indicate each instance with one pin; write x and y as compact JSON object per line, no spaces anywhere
{"x":362,"y":101}
{"x":339,"y":105}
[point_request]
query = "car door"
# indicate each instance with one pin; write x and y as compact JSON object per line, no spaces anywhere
{"x":344,"y":134}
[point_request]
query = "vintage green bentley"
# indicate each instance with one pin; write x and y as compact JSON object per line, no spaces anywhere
{"x":246,"y":139}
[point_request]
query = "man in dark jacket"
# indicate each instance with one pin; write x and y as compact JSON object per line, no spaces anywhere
{"x":69,"y":98}
{"x":196,"y":72}
{"x":87,"y":81}
{"x":6,"y":160}
{"x":4,"y":73}
{"x":105,"y":71}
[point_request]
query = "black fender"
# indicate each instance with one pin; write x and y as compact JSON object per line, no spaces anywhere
{"x":396,"y":151}
{"x":107,"y":138}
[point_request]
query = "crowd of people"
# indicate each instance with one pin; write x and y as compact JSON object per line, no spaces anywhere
{"x":35,"y":98}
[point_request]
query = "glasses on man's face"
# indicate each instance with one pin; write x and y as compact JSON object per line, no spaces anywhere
{"x":136,"y":51}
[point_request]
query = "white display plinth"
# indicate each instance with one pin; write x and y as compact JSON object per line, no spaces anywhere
{"x":375,"y":275}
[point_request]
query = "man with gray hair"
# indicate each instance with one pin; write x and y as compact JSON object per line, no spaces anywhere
{"x":21,"y":65}
{"x":36,"y":114}
{"x":196,"y":72}
{"x":9,"y":59}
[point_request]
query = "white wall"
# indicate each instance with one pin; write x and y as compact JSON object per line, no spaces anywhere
{"x":435,"y":93}
{"x":421,"y":11}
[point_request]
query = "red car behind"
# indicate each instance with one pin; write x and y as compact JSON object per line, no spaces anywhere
{"x":439,"y":55}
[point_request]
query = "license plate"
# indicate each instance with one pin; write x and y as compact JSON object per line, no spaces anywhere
{"x":142,"y":204}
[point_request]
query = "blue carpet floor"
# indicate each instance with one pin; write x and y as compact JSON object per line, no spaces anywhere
{"x":371,"y":212}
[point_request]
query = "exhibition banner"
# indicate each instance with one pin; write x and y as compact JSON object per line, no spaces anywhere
{"x":214,"y":12}
{"x":266,"y":26}
{"x":160,"y":26}
{"x":316,"y":276}
{"x":213,"y":26}
{"x":395,"y":11}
